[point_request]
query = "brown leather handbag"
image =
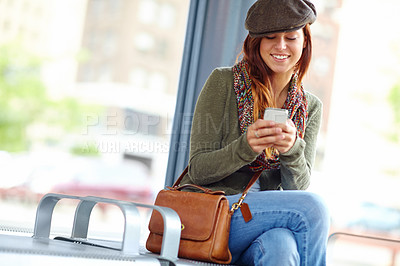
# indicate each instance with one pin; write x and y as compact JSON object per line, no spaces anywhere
{"x":205,"y":219}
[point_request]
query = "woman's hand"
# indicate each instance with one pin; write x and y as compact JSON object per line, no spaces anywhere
{"x":264,"y":134}
{"x":289,"y":132}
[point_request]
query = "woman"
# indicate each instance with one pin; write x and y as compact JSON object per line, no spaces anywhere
{"x":230,"y":140}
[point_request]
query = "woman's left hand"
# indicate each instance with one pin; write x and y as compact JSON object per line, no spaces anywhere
{"x":290,"y":134}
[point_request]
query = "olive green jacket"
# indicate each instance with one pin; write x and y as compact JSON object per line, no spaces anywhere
{"x":219,"y":154}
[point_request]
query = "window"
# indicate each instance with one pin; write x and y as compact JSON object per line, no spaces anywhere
{"x":139,"y":77}
{"x":147,"y":11}
{"x":155,"y":81}
{"x":144,"y":42}
{"x":158,"y":82}
{"x":109,"y":43}
{"x":158,"y":13}
{"x":102,"y":109}
{"x":167,"y":16}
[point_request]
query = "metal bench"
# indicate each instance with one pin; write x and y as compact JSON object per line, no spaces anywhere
{"x":21,"y":250}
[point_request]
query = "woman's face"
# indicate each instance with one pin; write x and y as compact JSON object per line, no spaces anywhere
{"x":281,"y":51}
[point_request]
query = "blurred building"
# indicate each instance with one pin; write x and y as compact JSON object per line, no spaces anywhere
{"x":134,"y":42}
{"x":325,"y":33}
{"x":49,"y":29}
{"x":319,"y":80}
{"x":132,"y":51}
{"x":24,"y":20}
{"x":122,"y":54}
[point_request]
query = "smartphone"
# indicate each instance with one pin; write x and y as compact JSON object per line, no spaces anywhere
{"x":276,"y":114}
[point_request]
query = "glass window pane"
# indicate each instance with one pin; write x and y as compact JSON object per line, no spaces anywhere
{"x":147,"y":11}
{"x":86,"y":105}
{"x":144,"y":42}
{"x":167,"y":16}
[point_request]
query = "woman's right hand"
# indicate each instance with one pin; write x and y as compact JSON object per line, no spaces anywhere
{"x":263,"y":134}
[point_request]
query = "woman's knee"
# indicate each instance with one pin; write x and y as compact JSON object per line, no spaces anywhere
{"x":274,"y":247}
{"x":281,"y":240}
{"x":317,"y":208}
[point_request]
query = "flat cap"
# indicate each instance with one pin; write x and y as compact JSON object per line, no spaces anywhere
{"x":269,"y":16}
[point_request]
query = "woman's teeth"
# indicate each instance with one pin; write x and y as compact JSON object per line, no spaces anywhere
{"x":280,"y":56}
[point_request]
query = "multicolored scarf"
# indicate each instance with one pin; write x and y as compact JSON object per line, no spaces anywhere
{"x":296,"y":104}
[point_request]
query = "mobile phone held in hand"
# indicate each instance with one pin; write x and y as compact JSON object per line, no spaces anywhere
{"x":276,"y":114}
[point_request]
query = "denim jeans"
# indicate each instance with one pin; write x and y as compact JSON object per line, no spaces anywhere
{"x":288,"y":228}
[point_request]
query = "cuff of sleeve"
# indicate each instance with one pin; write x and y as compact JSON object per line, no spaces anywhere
{"x":247,"y":152}
{"x":297,"y":148}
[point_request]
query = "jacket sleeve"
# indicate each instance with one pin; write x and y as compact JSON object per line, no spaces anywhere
{"x":297,"y":163}
{"x":216,"y":150}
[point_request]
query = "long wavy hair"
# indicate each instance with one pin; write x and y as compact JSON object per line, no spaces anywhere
{"x":260,"y":74}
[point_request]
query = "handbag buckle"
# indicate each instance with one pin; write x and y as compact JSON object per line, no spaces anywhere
{"x":238,"y":204}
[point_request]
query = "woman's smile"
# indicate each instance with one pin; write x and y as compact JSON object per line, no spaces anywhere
{"x":280,"y":57}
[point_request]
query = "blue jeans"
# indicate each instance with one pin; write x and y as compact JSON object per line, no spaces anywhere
{"x":288,"y":228}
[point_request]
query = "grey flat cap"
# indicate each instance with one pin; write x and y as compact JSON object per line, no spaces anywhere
{"x":269,"y":16}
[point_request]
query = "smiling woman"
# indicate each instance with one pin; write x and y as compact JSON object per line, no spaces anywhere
{"x":125,"y":56}
{"x":276,"y":56}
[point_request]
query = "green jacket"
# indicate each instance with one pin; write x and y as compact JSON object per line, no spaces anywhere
{"x":219,"y":154}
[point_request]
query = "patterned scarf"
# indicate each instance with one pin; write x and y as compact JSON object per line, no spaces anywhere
{"x":296,"y":104}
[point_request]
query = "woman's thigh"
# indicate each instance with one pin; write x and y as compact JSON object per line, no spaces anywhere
{"x":298,"y":211}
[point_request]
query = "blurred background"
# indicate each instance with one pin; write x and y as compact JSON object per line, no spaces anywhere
{"x":88,"y":91}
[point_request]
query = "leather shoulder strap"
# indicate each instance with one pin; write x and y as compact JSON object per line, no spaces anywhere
{"x":178,"y":181}
{"x":252,"y":181}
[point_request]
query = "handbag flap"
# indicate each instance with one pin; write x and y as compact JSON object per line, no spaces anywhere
{"x":198,"y":212}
